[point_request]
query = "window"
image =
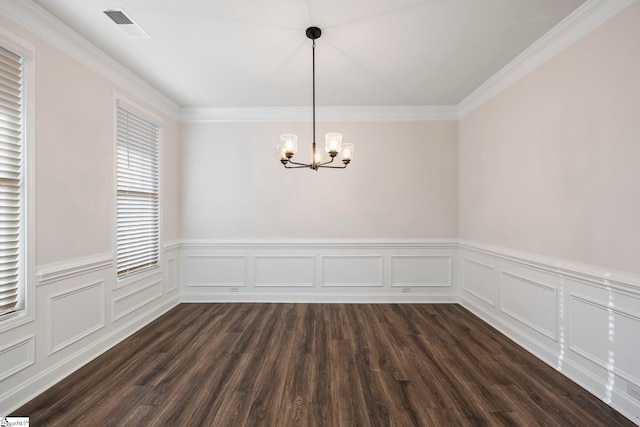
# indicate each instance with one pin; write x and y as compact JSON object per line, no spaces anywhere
{"x":138,"y":193}
{"x":12,"y":197}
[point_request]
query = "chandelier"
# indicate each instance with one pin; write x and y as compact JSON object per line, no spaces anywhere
{"x":333,"y":141}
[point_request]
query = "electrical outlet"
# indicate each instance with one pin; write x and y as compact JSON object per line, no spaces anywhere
{"x":234,"y":290}
{"x":406,"y":290}
{"x":633,"y":390}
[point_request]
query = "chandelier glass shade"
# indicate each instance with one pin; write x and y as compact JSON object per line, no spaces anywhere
{"x":333,"y":141}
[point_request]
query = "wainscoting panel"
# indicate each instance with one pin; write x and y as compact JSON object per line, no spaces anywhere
{"x":71,"y":327}
{"x":76,"y":314}
{"x":581,"y":320}
{"x":216,"y":270}
{"x":594,"y":323}
{"x":132,"y":301}
{"x":352,"y":270}
{"x":319,"y":271}
{"x":16,"y":356}
{"x":172,"y":273}
{"x":423,"y":270}
{"x":171,"y":256}
{"x":284,"y":271}
{"x":479,"y":280}
{"x":532,"y":303}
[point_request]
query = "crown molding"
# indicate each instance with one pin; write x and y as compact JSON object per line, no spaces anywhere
{"x":32,"y":17}
{"x":323,"y":114}
{"x":582,"y":21}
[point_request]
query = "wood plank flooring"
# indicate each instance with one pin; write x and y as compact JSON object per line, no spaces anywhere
{"x":318,"y":365}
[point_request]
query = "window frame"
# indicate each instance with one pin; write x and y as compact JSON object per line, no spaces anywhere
{"x":27,"y":313}
{"x":132,"y":107}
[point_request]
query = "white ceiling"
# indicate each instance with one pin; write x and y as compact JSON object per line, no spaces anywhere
{"x":254,"y":53}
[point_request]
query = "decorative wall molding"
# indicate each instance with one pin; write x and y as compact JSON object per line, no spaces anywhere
{"x":171,"y":274}
{"x":471,"y":287}
{"x":133,"y":301}
{"x":608,"y":361}
{"x":171,"y":245}
{"x":580,"y":319}
{"x":65,"y":270}
{"x":284,"y":270}
{"x":591,"y":275}
{"x":528,"y":304}
{"x":594,"y":382}
{"x":488,"y":314}
{"x":12,"y":398}
{"x":135,"y":279}
{"x":320,"y":270}
{"x":352,"y":270}
{"x":62,"y":315}
{"x":406,"y":113}
{"x":575,"y":26}
{"x":17,"y":356}
{"x":40,"y":22}
{"x":421,"y":271}
{"x":213,"y":270}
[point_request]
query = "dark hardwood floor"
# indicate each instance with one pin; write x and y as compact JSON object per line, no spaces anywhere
{"x":318,"y":364}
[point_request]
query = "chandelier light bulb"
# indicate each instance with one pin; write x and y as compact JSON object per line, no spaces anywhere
{"x":317,"y":156}
{"x":289,"y":144}
{"x":281,"y":153}
{"x":347,"y":153}
{"x":333,"y":143}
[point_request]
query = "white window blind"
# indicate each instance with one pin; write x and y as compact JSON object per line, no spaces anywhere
{"x":138,"y":219}
{"x":11,"y":183}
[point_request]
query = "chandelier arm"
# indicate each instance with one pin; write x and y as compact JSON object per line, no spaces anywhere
{"x":301,"y":165}
{"x":306,"y":165}
{"x":332,"y":167}
{"x":326,"y":163}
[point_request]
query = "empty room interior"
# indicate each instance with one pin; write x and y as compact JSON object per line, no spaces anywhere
{"x":387,"y":212}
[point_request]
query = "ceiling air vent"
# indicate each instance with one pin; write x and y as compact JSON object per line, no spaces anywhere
{"x":126,"y":24}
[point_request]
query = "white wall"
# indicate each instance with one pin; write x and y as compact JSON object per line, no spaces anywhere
{"x":550,"y":167}
{"x":78,"y":308}
{"x":402,"y":182}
